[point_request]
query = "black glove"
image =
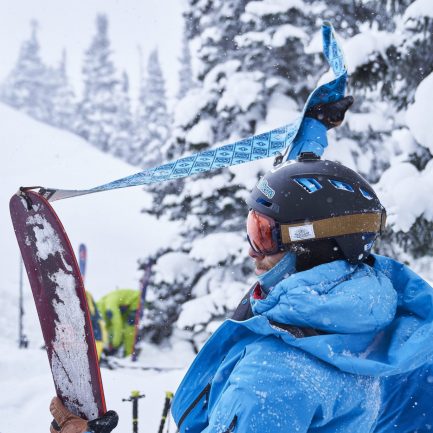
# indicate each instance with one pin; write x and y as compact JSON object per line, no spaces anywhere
{"x":104,"y":424}
{"x":330,"y":114}
{"x":66,"y":422}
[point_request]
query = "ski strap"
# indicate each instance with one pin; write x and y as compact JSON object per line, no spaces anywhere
{"x":278,"y":142}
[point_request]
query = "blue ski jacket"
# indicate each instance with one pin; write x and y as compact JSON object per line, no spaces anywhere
{"x":367,"y":368}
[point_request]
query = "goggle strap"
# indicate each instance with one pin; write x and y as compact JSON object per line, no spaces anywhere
{"x":332,"y":227}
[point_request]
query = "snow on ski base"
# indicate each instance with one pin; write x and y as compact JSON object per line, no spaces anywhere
{"x":117,"y":235}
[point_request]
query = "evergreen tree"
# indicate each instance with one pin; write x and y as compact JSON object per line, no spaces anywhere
{"x":258,"y":61}
{"x":186,"y":79}
{"x":27,"y":87}
{"x":99,"y":108}
{"x":152,"y":124}
{"x":64,"y":106}
{"x":123,"y":132}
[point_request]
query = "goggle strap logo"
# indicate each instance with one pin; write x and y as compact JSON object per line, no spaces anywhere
{"x":299,"y":233}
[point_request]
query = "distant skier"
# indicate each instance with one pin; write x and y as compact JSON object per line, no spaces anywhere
{"x":331,"y":338}
{"x":118,"y":309}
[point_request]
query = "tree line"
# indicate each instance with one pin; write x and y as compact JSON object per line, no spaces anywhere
{"x":104,"y":114}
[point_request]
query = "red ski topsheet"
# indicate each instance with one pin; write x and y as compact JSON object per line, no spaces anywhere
{"x":60,"y":300}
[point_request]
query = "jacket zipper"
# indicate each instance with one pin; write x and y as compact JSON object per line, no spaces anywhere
{"x":205,"y":391}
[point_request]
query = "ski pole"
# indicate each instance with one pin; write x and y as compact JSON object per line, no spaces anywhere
{"x":167,"y":404}
{"x":23,"y":342}
{"x":135,"y":396}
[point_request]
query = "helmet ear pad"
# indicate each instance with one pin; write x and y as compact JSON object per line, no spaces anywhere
{"x":313,"y":253}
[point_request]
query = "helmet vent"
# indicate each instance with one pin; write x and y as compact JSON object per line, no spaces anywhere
{"x":341,"y":185}
{"x":308,"y":183}
{"x":366,"y":194}
{"x":264,"y":202}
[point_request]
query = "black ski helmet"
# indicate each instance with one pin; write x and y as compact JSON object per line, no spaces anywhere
{"x":313,"y":200}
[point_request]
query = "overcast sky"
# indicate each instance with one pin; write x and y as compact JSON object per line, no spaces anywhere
{"x":71,"y":25}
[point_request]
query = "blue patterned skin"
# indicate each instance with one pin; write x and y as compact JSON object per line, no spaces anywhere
{"x":287,"y":140}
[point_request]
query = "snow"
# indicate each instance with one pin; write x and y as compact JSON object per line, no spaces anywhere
{"x":204,"y":187}
{"x":117,"y":235}
{"x":201,"y":132}
{"x":271,"y":7}
{"x":400,"y":189}
{"x":47,"y":241}
{"x":222,"y":297}
{"x":419,"y":8}
{"x":242,"y":90}
{"x":249,"y":38}
{"x":27,"y":388}
{"x":418,"y":117}
{"x":69,"y":362}
{"x":280,"y":110}
{"x":285,"y":32}
{"x":111,"y":224}
{"x":132,"y":24}
{"x":174,"y":267}
{"x":217,"y":247}
{"x":375,"y":120}
{"x":360,"y":47}
{"x":186,"y":109}
{"x":316,"y":44}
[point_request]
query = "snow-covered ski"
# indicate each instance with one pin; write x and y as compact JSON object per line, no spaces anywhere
{"x":60,"y":299}
{"x":272,"y":143}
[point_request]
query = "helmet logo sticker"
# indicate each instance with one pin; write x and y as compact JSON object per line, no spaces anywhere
{"x":264,"y":187}
{"x":299,"y":233}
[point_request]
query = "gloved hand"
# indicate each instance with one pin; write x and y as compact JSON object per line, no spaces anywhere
{"x":330,"y":114}
{"x":66,"y":422}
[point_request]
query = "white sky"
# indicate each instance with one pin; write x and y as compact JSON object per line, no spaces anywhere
{"x":71,"y":25}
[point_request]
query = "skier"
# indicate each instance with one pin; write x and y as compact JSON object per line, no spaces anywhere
{"x":327,"y":336}
{"x":118,"y":309}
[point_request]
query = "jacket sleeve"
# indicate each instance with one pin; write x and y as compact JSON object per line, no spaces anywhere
{"x":267,"y":392}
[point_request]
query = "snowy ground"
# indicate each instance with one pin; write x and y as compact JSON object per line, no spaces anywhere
{"x":117,"y":235}
{"x":27,"y":388}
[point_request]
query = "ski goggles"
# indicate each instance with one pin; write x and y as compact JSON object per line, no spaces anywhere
{"x":262,"y":233}
{"x":267,"y":237}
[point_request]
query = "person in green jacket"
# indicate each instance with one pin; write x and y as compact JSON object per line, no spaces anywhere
{"x":119,"y":309}
{"x":98,"y":325}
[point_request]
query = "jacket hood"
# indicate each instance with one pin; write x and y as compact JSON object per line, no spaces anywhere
{"x":376,"y":321}
{"x":335,"y":297}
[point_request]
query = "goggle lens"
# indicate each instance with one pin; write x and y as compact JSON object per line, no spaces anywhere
{"x":260,"y":231}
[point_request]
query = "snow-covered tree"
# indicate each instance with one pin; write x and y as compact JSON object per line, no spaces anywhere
{"x":123,"y":132}
{"x":153,"y":122}
{"x":257,"y":63}
{"x":186,"y":78}
{"x":64,"y":106}
{"x":27,"y":87}
{"x":98,"y":109}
